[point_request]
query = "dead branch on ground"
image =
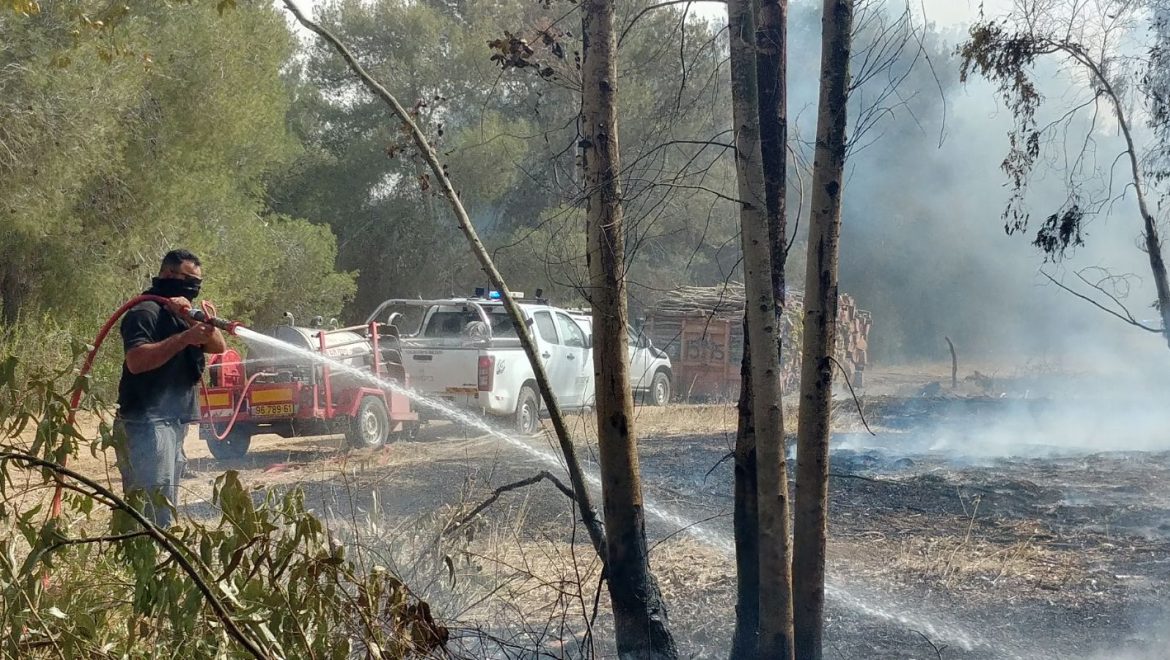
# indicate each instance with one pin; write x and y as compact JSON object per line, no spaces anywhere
{"x":516,"y":485}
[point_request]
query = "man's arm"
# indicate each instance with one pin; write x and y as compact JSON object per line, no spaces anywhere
{"x":148,"y":357}
{"x":216,"y":343}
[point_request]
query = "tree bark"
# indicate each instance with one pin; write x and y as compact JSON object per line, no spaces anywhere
{"x":771,"y":75}
{"x":774,"y":639}
{"x":640,"y":618}
{"x":820,"y":329}
{"x":746,"y":518}
{"x":772,"y":69}
{"x":1149,"y":222}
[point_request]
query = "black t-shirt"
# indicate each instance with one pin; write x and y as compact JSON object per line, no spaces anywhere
{"x":165,"y":393}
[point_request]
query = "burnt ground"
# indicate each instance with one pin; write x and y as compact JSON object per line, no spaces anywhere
{"x":932,"y":552}
{"x":973,"y":524}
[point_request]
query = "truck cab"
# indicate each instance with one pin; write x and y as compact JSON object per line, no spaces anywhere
{"x":651,"y":376}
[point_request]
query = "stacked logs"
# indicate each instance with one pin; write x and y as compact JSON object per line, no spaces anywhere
{"x":717,"y":312}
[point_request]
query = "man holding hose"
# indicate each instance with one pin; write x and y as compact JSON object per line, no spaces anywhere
{"x":160,"y":377}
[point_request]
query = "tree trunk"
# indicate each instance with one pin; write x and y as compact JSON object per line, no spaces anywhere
{"x":774,"y":574}
{"x":772,"y":68}
{"x":12,"y":295}
{"x":820,"y":329}
{"x":1149,"y":222}
{"x":771,"y":74}
{"x":640,"y":618}
{"x":746,"y":518}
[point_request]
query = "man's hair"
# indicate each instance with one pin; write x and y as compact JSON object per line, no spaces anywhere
{"x":174,"y":260}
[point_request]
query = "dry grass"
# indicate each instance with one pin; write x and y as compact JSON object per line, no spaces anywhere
{"x":1008,"y":556}
{"x":686,"y":420}
{"x":717,"y":420}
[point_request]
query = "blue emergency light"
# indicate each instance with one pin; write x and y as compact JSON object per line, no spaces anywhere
{"x":495,"y":295}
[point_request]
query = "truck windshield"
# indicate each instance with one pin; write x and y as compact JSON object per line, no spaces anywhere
{"x":461,"y":321}
{"x":501,"y":324}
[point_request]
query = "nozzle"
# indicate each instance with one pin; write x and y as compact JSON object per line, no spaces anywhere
{"x":223,"y":324}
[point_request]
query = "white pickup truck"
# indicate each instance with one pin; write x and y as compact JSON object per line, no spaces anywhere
{"x":650,"y":372}
{"x":466,"y":352}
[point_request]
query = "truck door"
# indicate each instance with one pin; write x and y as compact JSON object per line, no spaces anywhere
{"x":639,"y":361}
{"x":556,"y":363}
{"x":576,"y":357}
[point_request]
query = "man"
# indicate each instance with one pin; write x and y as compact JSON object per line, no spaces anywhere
{"x":160,"y":377}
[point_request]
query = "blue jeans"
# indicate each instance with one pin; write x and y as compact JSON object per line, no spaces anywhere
{"x":151,"y":463}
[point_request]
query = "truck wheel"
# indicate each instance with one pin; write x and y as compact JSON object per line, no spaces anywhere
{"x":659,"y":394}
{"x":370,"y":426}
{"x":234,"y":446}
{"x":527,"y":412}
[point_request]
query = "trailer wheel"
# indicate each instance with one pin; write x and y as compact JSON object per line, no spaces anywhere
{"x":659,"y":394}
{"x":527,"y":412}
{"x":370,"y":426}
{"x":234,"y":446}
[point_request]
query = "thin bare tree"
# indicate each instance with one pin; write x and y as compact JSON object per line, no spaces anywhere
{"x":640,"y":618}
{"x":772,"y":85}
{"x":820,"y":331}
{"x":573,"y":465}
{"x":774,"y":638}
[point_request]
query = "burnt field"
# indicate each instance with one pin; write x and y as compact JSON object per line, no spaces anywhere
{"x":974,"y":525}
{"x":1056,"y":556}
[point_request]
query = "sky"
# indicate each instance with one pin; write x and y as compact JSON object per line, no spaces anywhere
{"x":955,"y":13}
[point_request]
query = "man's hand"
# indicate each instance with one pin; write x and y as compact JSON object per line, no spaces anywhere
{"x":198,"y":334}
{"x":179,"y":307}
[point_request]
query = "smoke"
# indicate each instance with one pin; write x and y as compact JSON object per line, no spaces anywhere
{"x":923,"y":244}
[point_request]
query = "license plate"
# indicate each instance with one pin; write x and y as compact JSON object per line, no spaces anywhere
{"x":274,"y":410}
{"x":461,"y":390}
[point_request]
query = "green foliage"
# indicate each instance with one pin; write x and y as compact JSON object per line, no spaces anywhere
{"x":1007,"y":58}
{"x":284,"y":581}
{"x":508,"y":139}
{"x":107,"y":162}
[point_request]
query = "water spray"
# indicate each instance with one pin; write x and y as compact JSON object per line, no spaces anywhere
{"x":697,"y":530}
{"x":206,"y":314}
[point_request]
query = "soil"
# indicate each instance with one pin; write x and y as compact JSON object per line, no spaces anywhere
{"x":958,"y":529}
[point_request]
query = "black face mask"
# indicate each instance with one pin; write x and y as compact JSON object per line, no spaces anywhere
{"x":174,"y":288}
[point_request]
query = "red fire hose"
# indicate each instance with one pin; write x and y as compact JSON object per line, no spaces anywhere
{"x":204,"y":314}
{"x":236,"y":410}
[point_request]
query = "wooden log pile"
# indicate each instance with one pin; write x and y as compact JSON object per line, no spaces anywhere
{"x":701,"y":328}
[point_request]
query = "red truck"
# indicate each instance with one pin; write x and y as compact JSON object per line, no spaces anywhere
{"x":290,"y":395}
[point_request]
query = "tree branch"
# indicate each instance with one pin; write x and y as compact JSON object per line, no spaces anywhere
{"x":856,"y":402}
{"x":1128,"y":319}
{"x":516,"y":485}
{"x":651,"y":8}
{"x":568,"y":450}
{"x":96,"y":539}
